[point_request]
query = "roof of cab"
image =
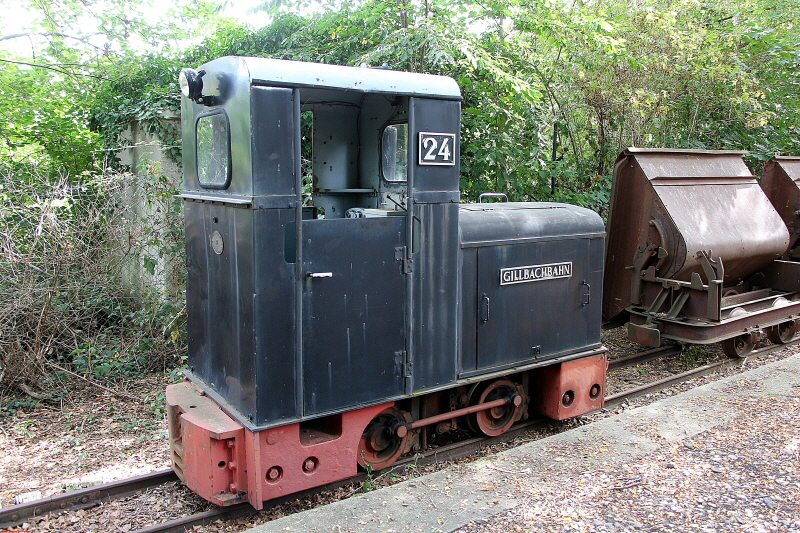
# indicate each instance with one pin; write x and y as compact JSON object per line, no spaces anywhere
{"x":283,"y":73}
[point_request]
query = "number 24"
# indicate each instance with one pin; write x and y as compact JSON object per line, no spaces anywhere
{"x":430,"y":144}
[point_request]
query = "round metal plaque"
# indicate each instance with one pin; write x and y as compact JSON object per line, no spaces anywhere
{"x":216,"y":242}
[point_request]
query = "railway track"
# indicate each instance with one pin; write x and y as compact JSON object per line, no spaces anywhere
{"x":617,"y":399}
{"x":84,"y":498}
{"x":94,"y":496}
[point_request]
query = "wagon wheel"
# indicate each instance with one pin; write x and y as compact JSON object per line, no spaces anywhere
{"x":784,"y":333}
{"x":739,"y":346}
{"x":497,"y":420}
{"x":380,"y":446}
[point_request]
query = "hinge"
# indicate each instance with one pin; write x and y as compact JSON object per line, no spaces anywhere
{"x":401,"y":254}
{"x":400,"y":359}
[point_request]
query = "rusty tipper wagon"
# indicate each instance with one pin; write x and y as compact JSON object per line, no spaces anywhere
{"x":692,"y":250}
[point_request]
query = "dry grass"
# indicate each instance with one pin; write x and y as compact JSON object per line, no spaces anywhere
{"x":64,"y":304}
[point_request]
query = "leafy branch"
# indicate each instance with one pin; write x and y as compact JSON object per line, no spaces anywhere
{"x":82,"y":40}
{"x":62,"y":68}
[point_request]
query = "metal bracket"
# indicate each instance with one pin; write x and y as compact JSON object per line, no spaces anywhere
{"x":655,"y":307}
{"x":401,"y":254}
{"x":662,"y":252}
{"x":678,"y":304}
{"x":679,"y":291}
{"x":640,"y":270}
{"x":401,"y":360}
{"x":715,"y":274}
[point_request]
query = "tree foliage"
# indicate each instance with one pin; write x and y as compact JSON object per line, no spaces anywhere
{"x":54,"y":66}
{"x":552,"y":90}
{"x":597,"y":76}
{"x":66,"y":235}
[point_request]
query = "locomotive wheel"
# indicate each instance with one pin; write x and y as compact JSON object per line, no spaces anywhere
{"x":783,"y":333}
{"x":495,"y":421}
{"x":380,"y":446}
{"x":739,"y":346}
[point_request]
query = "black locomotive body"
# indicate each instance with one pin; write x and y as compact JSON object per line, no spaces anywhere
{"x":341,"y":303}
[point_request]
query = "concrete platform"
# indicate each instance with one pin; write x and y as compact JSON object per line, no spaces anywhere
{"x":722,"y":457}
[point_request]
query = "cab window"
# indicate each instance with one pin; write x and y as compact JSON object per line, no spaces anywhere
{"x":213,"y":150}
{"x":394,"y":149}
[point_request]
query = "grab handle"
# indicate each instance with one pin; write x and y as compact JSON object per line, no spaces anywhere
{"x":492,"y":195}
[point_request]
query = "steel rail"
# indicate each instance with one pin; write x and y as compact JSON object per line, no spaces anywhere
{"x":181,"y":525}
{"x":643,"y":357}
{"x":85,"y":498}
{"x":456,"y":450}
{"x":471,"y":446}
{"x":617,"y":399}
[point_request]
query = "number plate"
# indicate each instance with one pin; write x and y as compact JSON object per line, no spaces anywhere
{"x":437,"y":148}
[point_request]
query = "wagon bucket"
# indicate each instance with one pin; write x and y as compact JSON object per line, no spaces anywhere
{"x":781,"y":183}
{"x":672,"y":205}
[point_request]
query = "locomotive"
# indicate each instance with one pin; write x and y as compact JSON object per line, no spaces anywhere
{"x":342,"y":304}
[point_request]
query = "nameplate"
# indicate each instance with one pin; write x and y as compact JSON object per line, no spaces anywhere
{"x":524,"y":274}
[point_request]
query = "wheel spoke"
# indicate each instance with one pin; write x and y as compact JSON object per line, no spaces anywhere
{"x":740,"y":346}
{"x":380,"y":446}
{"x":498,"y":420}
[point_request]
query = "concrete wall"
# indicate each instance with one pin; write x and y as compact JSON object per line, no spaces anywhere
{"x":154,"y":172}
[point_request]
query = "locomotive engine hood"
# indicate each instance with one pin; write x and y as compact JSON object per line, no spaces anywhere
{"x":507,"y":223}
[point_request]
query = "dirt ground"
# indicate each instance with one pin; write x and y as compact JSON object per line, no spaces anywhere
{"x":91,"y":437}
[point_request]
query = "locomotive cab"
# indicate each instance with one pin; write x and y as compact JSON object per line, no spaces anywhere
{"x":340,"y":302}
{"x":298,"y":195}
